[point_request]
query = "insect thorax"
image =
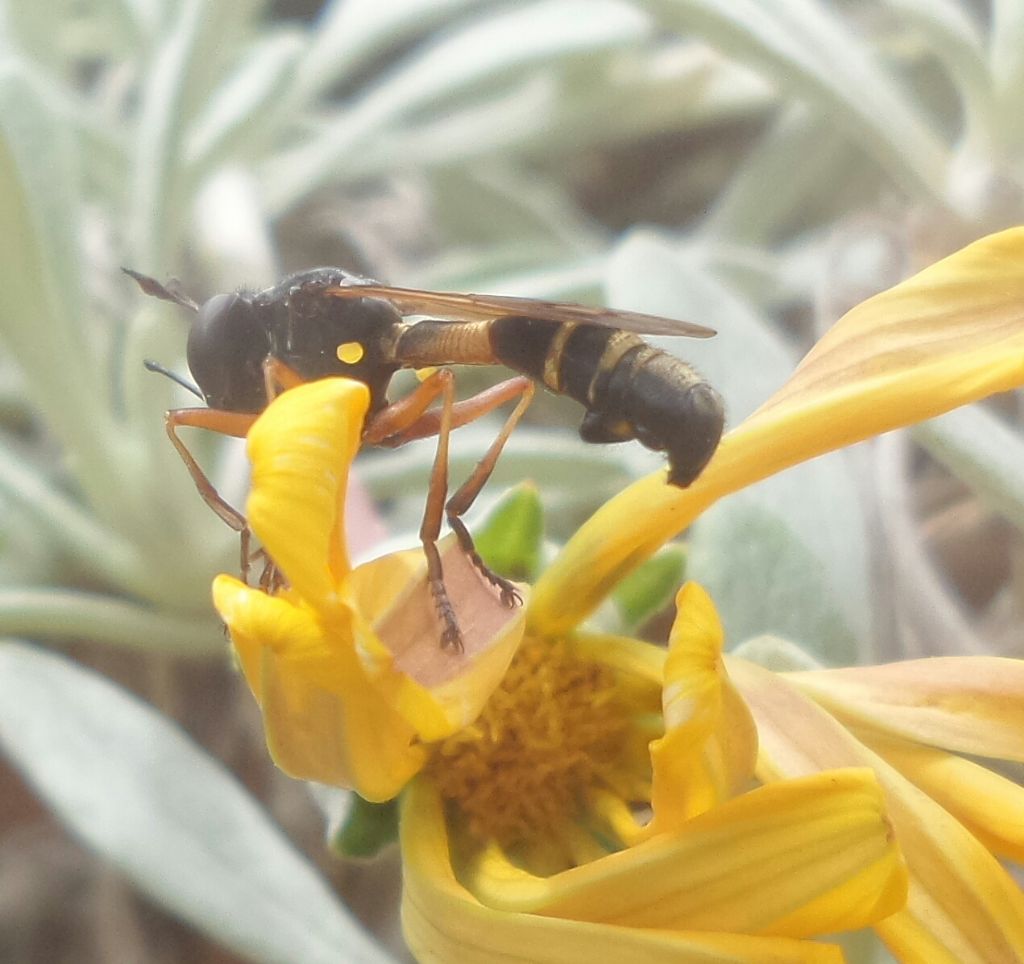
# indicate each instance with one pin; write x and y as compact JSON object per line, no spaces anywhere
{"x":320,"y":336}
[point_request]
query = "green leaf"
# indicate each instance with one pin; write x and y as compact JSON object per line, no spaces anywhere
{"x":648,"y":589}
{"x":179,"y":75}
{"x":510,"y":540}
{"x":1007,"y":58}
{"x":41,"y":279}
{"x":812,"y":54}
{"x":247,"y":105}
{"x":40,"y":271}
{"x":464,"y":65}
{"x":984,"y":452}
{"x":834,"y":177}
{"x":947,"y":30}
{"x":63,"y":614}
{"x":367,"y":828}
{"x":351,"y":34}
{"x":614,"y":96}
{"x":138,"y":791}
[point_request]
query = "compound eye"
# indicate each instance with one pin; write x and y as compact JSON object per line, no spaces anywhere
{"x":211,"y":331}
{"x":225,"y":352}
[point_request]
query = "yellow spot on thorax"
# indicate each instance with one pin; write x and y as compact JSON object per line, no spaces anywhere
{"x":550,"y":733}
{"x":351,"y":352}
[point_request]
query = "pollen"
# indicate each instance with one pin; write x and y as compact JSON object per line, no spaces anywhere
{"x":351,"y":352}
{"x":553,"y":731}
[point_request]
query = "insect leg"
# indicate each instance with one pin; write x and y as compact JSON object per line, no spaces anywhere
{"x":382,"y":431}
{"x":226,"y":423}
{"x":466,"y":494}
{"x":392,"y":430}
{"x":430,"y":528}
{"x":390,"y":424}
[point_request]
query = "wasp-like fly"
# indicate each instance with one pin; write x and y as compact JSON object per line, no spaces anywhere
{"x":242,"y":348}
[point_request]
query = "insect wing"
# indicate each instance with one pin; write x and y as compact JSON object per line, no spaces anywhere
{"x":467,"y":307}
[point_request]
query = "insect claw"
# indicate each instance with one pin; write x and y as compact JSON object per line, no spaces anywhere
{"x":451,"y":639}
{"x":511,"y":597}
{"x":451,"y":635}
{"x":510,"y":594}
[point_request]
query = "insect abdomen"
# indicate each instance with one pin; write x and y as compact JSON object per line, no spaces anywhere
{"x":630,"y":390}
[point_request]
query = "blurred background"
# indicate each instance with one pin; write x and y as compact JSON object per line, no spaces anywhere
{"x":758,"y":168}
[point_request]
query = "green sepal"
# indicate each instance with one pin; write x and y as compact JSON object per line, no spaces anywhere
{"x":511,"y":539}
{"x":649,"y":589}
{"x":367,"y":829}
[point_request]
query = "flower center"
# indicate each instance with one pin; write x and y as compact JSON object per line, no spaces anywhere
{"x":552,"y":731}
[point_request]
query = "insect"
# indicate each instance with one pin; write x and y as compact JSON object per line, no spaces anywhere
{"x":243,"y":347}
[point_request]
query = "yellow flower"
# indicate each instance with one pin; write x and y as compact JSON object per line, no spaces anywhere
{"x":522,"y":840}
{"x":529,"y":780}
{"x":351,"y":687}
{"x":953,"y":817}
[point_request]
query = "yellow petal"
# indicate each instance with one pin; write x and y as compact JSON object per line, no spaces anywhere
{"x":257,"y":621}
{"x":963,"y":906}
{"x":443,"y":922}
{"x":990,"y":806}
{"x":794,"y":859}
{"x":707,"y":753}
{"x":353,"y":739}
{"x":633,"y":662}
{"x":324,"y":719}
{"x":964,"y":703}
{"x":950,"y":335}
{"x":301,"y":448}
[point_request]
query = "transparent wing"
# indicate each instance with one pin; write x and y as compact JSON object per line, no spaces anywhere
{"x":467,"y":307}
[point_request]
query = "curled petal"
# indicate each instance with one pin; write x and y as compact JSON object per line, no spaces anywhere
{"x":324,"y":719}
{"x":443,"y":921}
{"x":963,"y":906}
{"x":438,"y":690}
{"x":707,"y":753}
{"x":301,"y":448}
{"x":948,"y":336}
{"x":971,"y":704}
{"x":257,"y":621}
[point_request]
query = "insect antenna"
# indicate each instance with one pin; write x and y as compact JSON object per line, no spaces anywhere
{"x":169,"y":292}
{"x":153,"y":366}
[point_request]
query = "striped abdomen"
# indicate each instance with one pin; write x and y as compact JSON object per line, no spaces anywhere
{"x":630,"y":390}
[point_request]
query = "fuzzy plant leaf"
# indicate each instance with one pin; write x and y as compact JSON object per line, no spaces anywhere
{"x":170,"y":817}
{"x":984,"y":451}
{"x":806,"y":48}
{"x":462,"y":66}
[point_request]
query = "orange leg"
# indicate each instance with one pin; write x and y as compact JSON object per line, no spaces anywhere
{"x":391,"y":423}
{"x":277,"y":376}
{"x":408,"y":419}
{"x":459,"y":504}
{"x":226,"y":423}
